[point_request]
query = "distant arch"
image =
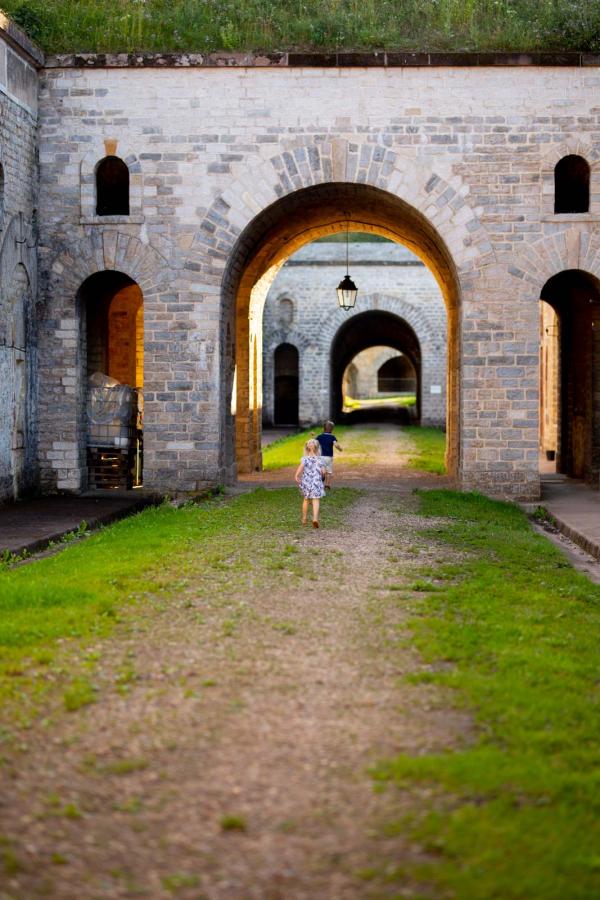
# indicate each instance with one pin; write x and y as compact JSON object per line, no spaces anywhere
{"x":397,"y":376}
{"x":286,"y":388}
{"x":112,"y":187}
{"x":572,"y":185}
{"x":371,"y":329}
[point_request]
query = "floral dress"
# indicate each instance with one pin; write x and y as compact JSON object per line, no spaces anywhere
{"x":311,"y":480}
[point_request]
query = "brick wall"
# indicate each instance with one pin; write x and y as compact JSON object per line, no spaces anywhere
{"x":389,"y":278}
{"x":18,"y":270}
{"x":461,"y":156}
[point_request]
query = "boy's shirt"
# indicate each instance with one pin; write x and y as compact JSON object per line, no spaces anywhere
{"x":326,"y":442}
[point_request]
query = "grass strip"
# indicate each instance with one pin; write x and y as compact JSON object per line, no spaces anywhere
{"x":287,"y":450}
{"x":517,"y":813}
{"x":78,"y":593}
{"x":63,"y":26}
{"x":430,"y":447}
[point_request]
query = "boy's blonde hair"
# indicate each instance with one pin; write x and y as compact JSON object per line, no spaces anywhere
{"x":312,"y":446}
{"x":328,"y":426}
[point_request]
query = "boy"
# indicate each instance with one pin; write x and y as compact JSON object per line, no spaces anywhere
{"x":327,"y":441}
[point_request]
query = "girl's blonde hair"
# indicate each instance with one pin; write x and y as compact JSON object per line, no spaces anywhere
{"x":312,"y":446}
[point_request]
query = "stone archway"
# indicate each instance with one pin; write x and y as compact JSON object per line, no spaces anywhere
{"x":316,"y":189}
{"x":370,"y":329}
{"x":570,"y":368}
{"x":318,"y":211}
{"x":64,"y":436}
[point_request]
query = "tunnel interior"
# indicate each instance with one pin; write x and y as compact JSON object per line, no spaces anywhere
{"x":370,"y":329}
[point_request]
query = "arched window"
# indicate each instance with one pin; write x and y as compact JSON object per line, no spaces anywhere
{"x":112,"y":187}
{"x":572,"y":185}
{"x":286,"y":311}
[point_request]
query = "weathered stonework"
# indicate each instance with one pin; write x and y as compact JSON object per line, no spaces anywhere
{"x":236,"y":162}
{"x":390,"y":279}
{"x":18,"y":269}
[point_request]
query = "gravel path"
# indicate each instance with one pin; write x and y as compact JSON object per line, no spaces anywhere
{"x":235,"y":764}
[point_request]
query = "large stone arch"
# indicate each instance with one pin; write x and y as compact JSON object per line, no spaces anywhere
{"x":236,"y":262}
{"x":62,"y":395}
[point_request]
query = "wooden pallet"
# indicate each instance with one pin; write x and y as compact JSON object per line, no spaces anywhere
{"x":109,"y":468}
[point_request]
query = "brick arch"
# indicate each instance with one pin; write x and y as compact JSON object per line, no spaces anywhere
{"x":109,"y":249}
{"x":541,"y":260}
{"x":99,"y":149}
{"x":444,"y":204}
{"x":18,"y":247}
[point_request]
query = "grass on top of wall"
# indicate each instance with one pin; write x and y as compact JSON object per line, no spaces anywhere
{"x":63,"y":26}
{"x":512,"y":629}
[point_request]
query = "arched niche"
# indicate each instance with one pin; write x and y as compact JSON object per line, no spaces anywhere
{"x":112,"y":187}
{"x":572,"y":185}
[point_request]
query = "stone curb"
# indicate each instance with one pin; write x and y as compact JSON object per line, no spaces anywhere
{"x":94,"y":524}
{"x":588,"y":544}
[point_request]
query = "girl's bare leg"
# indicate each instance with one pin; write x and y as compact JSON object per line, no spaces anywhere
{"x":304,"y":511}
{"x":315,"y":506}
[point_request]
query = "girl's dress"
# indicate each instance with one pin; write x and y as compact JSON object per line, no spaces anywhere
{"x":311,"y":480}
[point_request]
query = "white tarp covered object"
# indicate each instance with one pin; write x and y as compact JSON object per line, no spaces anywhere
{"x":109,"y":411}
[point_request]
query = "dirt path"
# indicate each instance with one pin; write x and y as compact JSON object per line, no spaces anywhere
{"x":235,"y":763}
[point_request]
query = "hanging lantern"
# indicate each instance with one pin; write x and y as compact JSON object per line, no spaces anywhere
{"x":346,"y":289}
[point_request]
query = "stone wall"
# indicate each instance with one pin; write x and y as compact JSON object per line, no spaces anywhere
{"x":301,"y":309}
{"x":454,"y":161}
{"x":18,"y":267}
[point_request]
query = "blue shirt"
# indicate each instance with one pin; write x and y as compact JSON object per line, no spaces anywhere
{"x":326,"y":442}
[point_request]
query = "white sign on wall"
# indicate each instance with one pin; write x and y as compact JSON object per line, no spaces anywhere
{"x":435,"y":389}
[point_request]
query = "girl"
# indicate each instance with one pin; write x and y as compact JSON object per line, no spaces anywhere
{"x":309,"y":478}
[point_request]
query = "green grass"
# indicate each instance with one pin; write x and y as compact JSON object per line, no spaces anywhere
{"x":430,"y":447}
{"x":81,"y":592}
{"x":287,"y":450}
{"x":400,"y":400}
{"x":516,"y":812}
{"x":128,"y":25}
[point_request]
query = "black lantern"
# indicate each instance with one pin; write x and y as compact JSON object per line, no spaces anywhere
{"x":346,"y":289}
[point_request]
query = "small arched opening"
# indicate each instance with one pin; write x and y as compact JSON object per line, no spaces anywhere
{"x":572,"y":185}
{"x":112,"y":187}
{"x":397,"y":376}
{"x":570,"y":375}
{"x":363,"y":341}
{"x":112,"y":313}
{"x":286,"y":375}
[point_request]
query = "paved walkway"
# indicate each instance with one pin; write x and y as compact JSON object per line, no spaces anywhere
{"x":31,"y":525}
{"x":576,"y":509}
